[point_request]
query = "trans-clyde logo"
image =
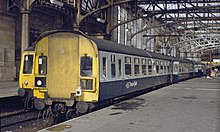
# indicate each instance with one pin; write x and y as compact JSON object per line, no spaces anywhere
{"x":131,"y":84}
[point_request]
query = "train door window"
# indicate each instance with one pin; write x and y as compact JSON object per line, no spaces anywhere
{"x":28,"y":64}
{"x":136,"y":66}
{"x":104,"y":67}
{"x":42,"y":65}
{"x":168,"y":67}
{"x":157,"y":67}
{"x":149,"y":67}
{"x":128,"y":66}
{"x":143,"y":67}
{"x":86,"y":66}
{"x":180,"y":68}
{"x":119,"y":68}
{"x":161,"y":67}
{"x":165,"y":67}
{"x":113,"y":72}
{"x":176,"y":66}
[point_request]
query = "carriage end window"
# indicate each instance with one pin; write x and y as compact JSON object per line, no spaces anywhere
{"x":86,"y":66}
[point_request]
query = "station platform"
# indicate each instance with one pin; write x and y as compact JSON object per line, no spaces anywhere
{"x":189,"y":106}
{"x":8,"y":89}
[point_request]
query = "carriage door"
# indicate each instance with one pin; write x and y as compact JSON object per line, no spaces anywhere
{"x":63,"y":66}
{"x":175,"y":71}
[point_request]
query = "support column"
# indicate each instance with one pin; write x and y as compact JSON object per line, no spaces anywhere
{"x":78,"y":15}
{"x":25,"y":30}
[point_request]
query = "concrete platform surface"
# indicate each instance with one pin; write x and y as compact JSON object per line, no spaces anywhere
{"x":8,"y":89}
{"x":189,"y":106}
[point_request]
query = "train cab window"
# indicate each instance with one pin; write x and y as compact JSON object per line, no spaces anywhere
{"x":128,"y":66}
{"x":149,"y":67}
{"x":113,"y":71}
{"x":42,"y":65}
{"x":86,"y":66}
{"x":143,"y":67}
{"x":28,"y":64}
{"x":104,"y":66}
{"x":136,"y":66}
{"x":119,"y":68}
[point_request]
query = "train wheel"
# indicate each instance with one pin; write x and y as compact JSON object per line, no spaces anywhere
{"x":28,"y":103}
{"x":70,"y":114}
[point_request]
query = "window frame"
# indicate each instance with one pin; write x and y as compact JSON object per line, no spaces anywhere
{"x":30,"y":71}
{"x":91,"y":67}
{"x":126,"y":65}
{"x":40,"y":65}
{"x":136,"y":65}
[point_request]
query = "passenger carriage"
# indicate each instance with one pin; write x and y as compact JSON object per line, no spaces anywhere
{"x":69,"y":70}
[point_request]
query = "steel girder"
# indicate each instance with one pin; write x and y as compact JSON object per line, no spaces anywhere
{"x":194,"y":18}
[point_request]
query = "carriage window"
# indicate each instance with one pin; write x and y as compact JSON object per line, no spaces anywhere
{"x":104,"y":66}
{"x":180,"y":68}
{"x":165,"y":67}
{"x":86,"y":66}
{"x":176,"y":68}
{"x":28,"y":64}
{"x":119,"y":68}
{"x":144,"y":69}
{"x":168,"y":67}
{"x":113,"y":72}
{"x":136,"y":66}
{"x":161,"y":67}
{"x":149,"y":67}
{"x":128,"y":66}
{"x":42,"y":65}
{"x":157,"y":67}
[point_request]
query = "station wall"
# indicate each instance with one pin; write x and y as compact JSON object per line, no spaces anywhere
{"x":7,"y":44}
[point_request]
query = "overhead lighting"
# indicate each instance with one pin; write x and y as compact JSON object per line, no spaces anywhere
{"x":100,"y":20}
{"x":56,"y":2}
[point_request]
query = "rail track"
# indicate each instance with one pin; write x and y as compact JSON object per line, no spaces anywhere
{"x":17,"y":118}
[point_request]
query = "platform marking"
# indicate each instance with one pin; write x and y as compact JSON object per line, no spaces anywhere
{"x":200,"y":89}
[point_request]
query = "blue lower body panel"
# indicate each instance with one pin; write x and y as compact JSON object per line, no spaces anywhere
{"x":183,"y":76}
{"x":175,"y":78}
{"x":112,"y":89}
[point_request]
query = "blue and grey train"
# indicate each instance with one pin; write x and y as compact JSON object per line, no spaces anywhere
{"x":69,"y":71}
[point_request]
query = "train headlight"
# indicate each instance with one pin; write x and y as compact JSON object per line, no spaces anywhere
{"x":39,"y":82}
{"x":26,"y":82}
{"x":78,"y":91}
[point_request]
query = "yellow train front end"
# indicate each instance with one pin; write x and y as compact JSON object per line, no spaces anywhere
{"x":65,"y":73}
{"x":26,"y":77}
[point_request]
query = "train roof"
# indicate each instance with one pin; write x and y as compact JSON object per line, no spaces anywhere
{"x":105,"y":45}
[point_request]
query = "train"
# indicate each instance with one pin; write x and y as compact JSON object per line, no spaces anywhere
{"x":70,"y":72}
